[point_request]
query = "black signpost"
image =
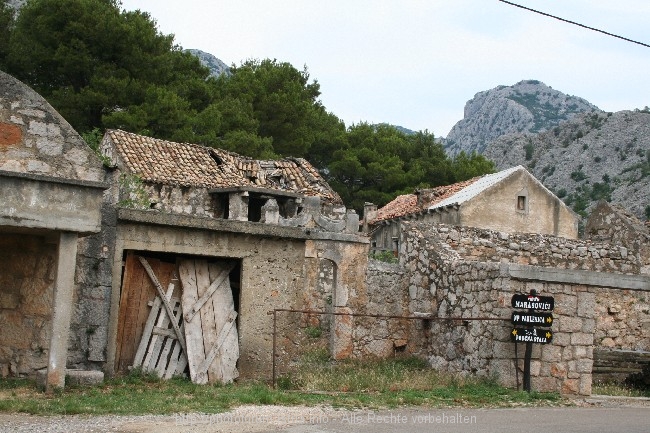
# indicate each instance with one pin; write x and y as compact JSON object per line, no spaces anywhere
{"x":536,"y":315}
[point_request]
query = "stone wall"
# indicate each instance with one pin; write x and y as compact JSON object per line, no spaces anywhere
{"x":622,"y":319}
{"x":26,"y":291}
{"x":175,"y":199}
{"x":384,"y":295}
{"x":460,"y":272}
{"x":35,"y":139}
{"x":539,"y":250}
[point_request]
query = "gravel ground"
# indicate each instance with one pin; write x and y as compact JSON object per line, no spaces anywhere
{"x":241,"y":419}
{"x":247,"y":419}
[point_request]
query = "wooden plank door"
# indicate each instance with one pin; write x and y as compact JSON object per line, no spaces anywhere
{"x":137,"y":292}
{"x":209,"y":319}
{"x":161,"y":348}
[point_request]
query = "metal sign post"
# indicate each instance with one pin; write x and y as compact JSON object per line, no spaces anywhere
{"x":530,"y":334}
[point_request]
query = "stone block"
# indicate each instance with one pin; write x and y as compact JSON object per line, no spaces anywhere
{"x":584,"y":365}
{"x":570,"y":386}
{"x":561,"y":339}
{"x":570,"y":324}
{"x":84,"y":377}
{"x":9,"y":301}
{"x":551,"y":353}
{"x":585,"y":384}
{"x":583,"y":339}
{"x":544,"y":384}
{"x":586,"y":304}
{"x":535,"y":367}
{"x":588,"y":326}
{"x":565,"y":304}
{"x":558,"y":370}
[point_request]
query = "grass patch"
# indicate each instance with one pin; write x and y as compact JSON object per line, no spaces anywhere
{"x":618,"y":390}
{"x":319,"y":381}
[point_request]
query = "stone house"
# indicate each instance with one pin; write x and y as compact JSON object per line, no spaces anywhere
{"x":280,"y":231}
{"x":512,"y":201}
{"x":51,"y":187}
{"x":121,"y":259}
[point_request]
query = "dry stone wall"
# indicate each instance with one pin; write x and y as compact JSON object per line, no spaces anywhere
{"x":461,"y":272}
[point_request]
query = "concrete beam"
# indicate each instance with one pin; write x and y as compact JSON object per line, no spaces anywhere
{"x":573,"y":276}
{"x":41,"y":202}
{"x":61,"y":310}
{"x":184,"y":222}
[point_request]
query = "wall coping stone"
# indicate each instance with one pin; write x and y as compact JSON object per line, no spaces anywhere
{"x":234,"y":226}
{"x":52,"y":179}
{"x":574,"y":276}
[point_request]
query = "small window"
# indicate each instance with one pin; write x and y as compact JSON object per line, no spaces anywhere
{"x":521,"y":203}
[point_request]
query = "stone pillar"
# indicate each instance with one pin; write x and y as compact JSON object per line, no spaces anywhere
{"x":271,"y":212}
{"x":61,"y":310}
{"x":369,"y":213}
{"x":352,"y":222}
{"x":238,"y":206}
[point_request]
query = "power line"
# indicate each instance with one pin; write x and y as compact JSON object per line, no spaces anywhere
{"x":574,"y":23}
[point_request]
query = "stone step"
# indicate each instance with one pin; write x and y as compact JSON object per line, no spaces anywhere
{"x":73,"y":377}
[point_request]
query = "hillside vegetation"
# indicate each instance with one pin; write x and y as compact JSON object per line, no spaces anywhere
{"x":590,"y":157}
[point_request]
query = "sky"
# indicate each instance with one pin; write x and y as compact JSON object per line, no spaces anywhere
{"x":415,"y":63}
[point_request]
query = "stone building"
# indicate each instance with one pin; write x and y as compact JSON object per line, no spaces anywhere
{"x":512,"y":201}
{"x":279,"y":229}
{"x":51,"y":187}
{"x":122,"y":259}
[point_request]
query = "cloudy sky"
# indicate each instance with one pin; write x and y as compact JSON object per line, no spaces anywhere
{"x":415,"y":63}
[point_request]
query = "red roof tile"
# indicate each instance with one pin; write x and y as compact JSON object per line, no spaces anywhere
{"x":184,"y":164}
{"x":408,"y":204}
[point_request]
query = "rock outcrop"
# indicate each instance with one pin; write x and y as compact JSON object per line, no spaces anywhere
{"x":216,"y":66}
{"x":528,"y":106}
{"x":590,"y":157}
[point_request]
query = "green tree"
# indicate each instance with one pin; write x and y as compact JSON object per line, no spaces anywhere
{"x":99,"y":66}
{"x":285,"y":104}
{"x":380,"y":162}
{"x":6,"y":23}
{"x":468,"y":166}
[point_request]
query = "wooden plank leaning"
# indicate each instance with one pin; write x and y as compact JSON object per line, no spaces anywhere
{"x":202,"y":369}
{"x":208,"y":293}
{"x":168,"y":307}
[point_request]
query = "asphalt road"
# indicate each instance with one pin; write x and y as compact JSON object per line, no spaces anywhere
{"x":528,"y":420}
{"x":593,"y":414}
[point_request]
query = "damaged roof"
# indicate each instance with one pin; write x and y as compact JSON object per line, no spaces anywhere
{"x":439,"y":197}
{"x":193,"y":165}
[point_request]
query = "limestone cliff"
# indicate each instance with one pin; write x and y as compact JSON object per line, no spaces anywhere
{"x":216,"y":66}
{"x":590,"y":157}
{"x":528,"y":106}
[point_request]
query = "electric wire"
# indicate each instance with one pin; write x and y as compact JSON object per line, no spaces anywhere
{"x":575,"y":23}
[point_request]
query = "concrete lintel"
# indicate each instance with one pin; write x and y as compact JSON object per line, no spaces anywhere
{"x":572,"y":276}
{"x":264,"y":191}
{"x":48,"y":203}
{"x":52,"y":179}
{"x":233,"y":226}
{"x":61,"y":310}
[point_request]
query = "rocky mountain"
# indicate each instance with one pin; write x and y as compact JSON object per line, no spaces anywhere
{"x":528,"y":106}
{"x":16,"y":4}
{"x":592,"y":156}
{"x":216,"y":66}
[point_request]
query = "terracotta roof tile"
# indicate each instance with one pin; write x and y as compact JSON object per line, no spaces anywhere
{"x":184,"y":164}
{"x":400,"y":206}
{"x":408,"y":204}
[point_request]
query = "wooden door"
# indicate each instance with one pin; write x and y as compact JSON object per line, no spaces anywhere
{"x":209,"y":318}
{"x":138,"y":291}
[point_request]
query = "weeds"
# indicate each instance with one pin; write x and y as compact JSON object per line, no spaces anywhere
{"x":350,"y":384}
